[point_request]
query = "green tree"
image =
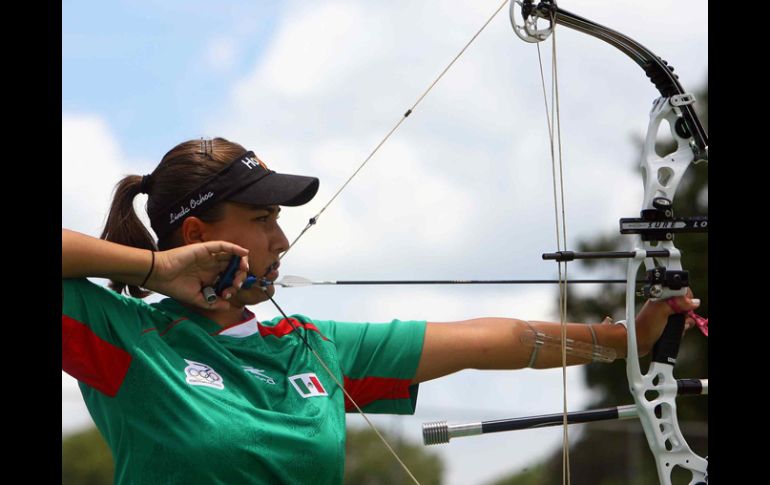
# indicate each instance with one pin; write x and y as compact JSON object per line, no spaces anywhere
{"x":530,"y":476}
{"x":368,"y":463}
{"x":86,"y":459}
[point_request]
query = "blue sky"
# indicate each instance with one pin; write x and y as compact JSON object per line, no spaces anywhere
{"x":124,"y":59}
{"x":462,"y":190}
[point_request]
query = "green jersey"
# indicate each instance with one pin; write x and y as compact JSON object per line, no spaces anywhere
{"x":179,"y":399}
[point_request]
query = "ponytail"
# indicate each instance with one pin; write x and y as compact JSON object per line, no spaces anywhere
{"x":124,"y":227}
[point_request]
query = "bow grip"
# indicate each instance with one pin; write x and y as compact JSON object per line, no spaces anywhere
{"x":666,"y":349}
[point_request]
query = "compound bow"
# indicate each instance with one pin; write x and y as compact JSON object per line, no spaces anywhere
{"x":656,"y":390}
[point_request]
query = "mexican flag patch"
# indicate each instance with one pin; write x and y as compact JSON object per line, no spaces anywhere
{"x":308,"y":385}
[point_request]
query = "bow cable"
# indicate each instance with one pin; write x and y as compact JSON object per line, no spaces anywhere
{"x":314,"y":219}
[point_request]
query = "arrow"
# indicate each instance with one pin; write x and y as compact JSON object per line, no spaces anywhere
{"x":289,"y":281}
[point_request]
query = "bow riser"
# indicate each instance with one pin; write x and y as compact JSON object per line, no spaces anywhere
{"x":655,"y":392}
{"x":661,"y":177}
{"x":655,"y":396}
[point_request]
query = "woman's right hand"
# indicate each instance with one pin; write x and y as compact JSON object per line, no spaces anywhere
{"x":183,"y":272}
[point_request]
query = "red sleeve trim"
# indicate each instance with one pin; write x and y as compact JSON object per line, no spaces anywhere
{"x":369,"y":389}
{"x":90,"y":359}
{"x":285,"y":327}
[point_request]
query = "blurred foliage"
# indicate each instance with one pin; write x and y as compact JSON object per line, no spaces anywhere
{"x":530,"y":476}
{"x":86,"y":459}
{"x":615,"y":453}
{"x":369,"y":463}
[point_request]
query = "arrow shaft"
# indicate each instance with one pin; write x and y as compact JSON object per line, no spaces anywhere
{"x":460,"y":282}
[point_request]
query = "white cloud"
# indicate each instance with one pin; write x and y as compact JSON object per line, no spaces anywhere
{"x":307,"y":53}
{"x":480,"y":135}
{"x":90,"y":169}
{"x":74,"y":413}
{"x":92,"y":165}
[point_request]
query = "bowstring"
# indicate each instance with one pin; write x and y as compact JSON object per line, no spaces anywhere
{"x":553,"y":121}
{"x":314,"y":219}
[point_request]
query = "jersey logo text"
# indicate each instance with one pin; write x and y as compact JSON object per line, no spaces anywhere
{"x":260,"y":374}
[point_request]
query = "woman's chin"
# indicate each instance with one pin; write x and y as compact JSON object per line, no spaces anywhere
{"x":255,"y":295}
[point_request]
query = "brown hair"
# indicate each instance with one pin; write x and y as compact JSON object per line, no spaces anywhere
{"x":184,"y":168}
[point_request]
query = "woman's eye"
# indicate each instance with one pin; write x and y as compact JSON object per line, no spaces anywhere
{"x":267,"y":218}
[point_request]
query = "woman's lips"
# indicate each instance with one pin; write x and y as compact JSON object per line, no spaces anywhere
{"x":272,"y":271}
{"x":272,"y":276}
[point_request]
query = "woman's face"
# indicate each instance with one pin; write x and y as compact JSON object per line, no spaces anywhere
{"x":256,"y":229}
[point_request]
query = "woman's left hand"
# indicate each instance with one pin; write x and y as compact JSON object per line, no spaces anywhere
{"x":652,"y":319}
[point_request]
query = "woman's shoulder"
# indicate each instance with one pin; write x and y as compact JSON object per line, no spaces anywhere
{"x":83,"y":295}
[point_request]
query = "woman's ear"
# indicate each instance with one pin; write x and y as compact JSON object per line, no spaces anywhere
{"x":193,"y":230}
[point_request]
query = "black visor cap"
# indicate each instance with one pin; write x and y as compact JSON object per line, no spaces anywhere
{"x":278,"y":189}
{"x":246,"y":180}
